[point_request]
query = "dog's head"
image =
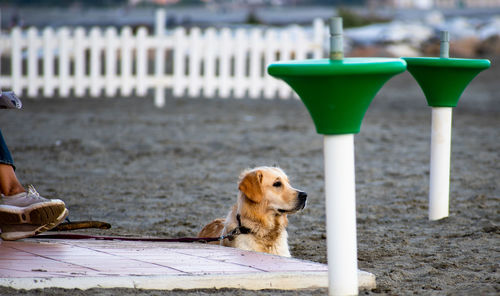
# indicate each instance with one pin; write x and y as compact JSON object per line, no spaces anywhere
{"x":270,"y":188}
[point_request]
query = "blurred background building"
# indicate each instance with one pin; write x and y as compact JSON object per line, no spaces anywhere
{"x":55,"y":13}
{"x":88,"y":34}
{"x":430,"y":4}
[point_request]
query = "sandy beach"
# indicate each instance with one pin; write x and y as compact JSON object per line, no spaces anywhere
{"x":166,"y":172}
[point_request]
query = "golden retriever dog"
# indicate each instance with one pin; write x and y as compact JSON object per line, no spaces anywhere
{"x":257,"y":222}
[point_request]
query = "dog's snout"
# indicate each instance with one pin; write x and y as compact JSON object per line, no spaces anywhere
{"x":302,"y":195}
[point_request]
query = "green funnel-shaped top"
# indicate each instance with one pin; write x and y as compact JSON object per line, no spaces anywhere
{"x":443,"y":80}
{"x":337,"y":93}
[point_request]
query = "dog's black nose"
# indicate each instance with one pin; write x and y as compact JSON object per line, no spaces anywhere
{"x":302,"y":196}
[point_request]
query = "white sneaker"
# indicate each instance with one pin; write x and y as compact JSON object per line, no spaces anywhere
{"x":19,"y":231}
{"x":9,"y":100}
{"x":29,"y":210}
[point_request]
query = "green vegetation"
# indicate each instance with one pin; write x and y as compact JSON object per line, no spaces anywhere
{"x":252,"y":18}
{"x":352,"y":19}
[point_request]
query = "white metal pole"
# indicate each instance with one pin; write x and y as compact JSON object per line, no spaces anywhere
{"x":341,"y":214}
{"x":439,"y":185}
{"x":340,"y":194}
{"x":439,"y":180}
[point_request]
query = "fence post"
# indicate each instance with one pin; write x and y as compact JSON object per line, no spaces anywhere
{"x":160,"y":22}
{"x":64,"y":86}
{"x":195,"y":47}
{"x":285,"y":55}
{"x":300,"y":42}
{"x":32,"y":62}
{"x":225,"y":63}
{"x":126,"y":61}
{"x":141,"y":56}
{"x":270,"y":85}
{"x":95,"y":62}
{"x":16,"y":60}
{"x":239,"y":82}
{"x":79,"y":62}
{"x":255,"y":85}
{"x":111,"y":78}
{"x":48,"y":62}
{"x":179,"y":66}
{"x":210,"y":57}
{"x":319,"y":37}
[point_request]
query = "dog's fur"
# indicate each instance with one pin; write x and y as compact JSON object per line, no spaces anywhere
{"x":264,"y":200}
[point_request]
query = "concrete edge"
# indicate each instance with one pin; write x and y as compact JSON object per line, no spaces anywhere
{"x":248,"y":281}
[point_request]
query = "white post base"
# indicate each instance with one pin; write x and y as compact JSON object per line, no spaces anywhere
{"x":341,"y":214}
{"x":159,"y":97}
{"x":439,"y":184}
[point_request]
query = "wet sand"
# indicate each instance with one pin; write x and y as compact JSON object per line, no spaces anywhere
{"x":166,"y":172}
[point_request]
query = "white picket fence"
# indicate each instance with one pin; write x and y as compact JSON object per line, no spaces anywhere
{"x":210,"y":63}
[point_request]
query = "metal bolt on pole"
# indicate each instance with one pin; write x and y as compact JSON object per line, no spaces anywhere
{"x":336,"y":39}
{"x":444,"y":50}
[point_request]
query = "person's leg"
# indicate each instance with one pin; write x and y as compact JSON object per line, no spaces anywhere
{"x":23,"y":213}
{"x":9,"y":184}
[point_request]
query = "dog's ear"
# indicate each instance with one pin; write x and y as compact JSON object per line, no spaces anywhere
{"x":250,"y":185}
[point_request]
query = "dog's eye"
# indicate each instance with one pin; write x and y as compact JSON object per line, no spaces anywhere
{"x":277,"y":184}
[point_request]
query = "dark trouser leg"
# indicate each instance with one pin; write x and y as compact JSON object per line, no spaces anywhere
{"x":9,"y":184}
{"x":5,"y":156}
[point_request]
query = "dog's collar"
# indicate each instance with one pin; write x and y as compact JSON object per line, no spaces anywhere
{"x":237,"y":231}
{"x":242,"y":229}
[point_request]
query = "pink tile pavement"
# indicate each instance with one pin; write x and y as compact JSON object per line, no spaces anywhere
{"x":64,"y":259}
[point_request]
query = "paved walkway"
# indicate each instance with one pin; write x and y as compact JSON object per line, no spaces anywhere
{"x":85,"y":264}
